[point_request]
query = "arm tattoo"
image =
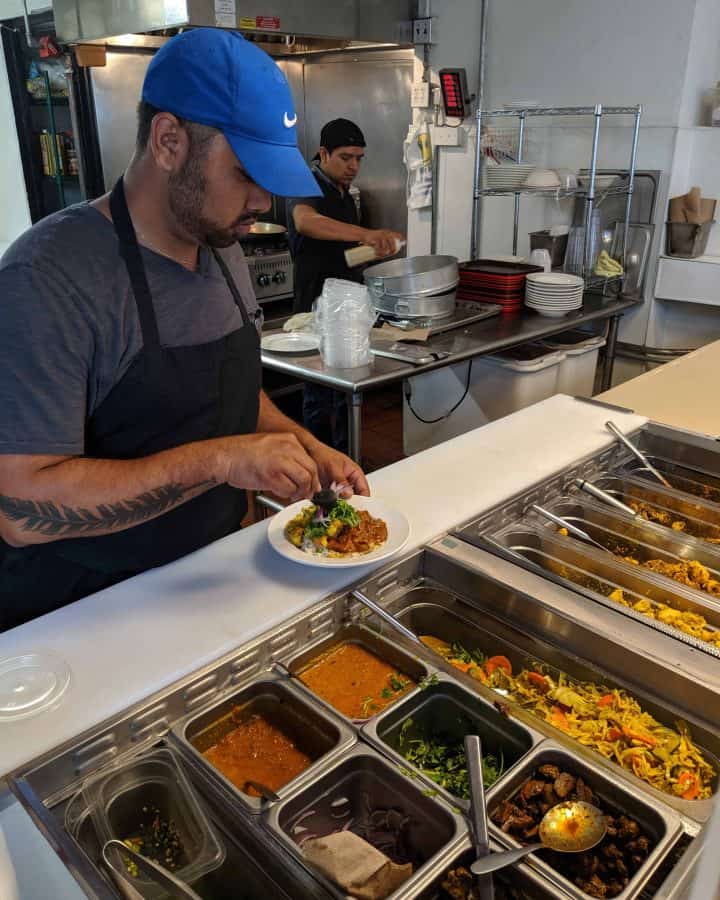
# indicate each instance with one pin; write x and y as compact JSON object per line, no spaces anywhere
{"x":46,"y":517}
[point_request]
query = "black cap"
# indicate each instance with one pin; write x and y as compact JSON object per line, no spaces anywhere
{"x":341,"y":133}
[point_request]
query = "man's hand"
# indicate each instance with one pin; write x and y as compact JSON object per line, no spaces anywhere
{"x":335,"y":466}
{"x":383,"y":241}
{"x":275,"y":462}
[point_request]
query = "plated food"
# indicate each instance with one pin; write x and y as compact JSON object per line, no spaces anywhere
{"x":355,"y":681}
{"x":339,"y":530}
{"x":609,"y":721}
{"x":603,"y":871}
{"x":346,"y":533}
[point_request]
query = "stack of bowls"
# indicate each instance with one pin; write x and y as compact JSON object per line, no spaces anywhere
{"x":553,"y":294}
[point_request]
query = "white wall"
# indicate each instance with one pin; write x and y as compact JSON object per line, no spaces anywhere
{"x":14,"y":211}
{"x":660,"y":53}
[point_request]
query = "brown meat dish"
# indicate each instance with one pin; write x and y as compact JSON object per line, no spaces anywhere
{"x":689,"y":572}
{"x":603,"y":871}
{"x":363,"y":538}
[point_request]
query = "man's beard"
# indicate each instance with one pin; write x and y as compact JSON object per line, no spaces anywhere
{"x":186,"y":193}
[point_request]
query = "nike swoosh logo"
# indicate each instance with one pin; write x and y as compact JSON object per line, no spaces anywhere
{"x":288,"y":122}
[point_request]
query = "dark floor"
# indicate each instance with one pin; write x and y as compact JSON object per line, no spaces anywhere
{"x":382,"y":428}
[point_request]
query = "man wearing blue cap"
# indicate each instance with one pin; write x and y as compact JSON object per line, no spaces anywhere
{"x":131,"y":414}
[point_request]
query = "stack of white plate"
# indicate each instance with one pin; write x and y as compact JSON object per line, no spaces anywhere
{"x":553,"y":294}
{"x":506,"y":176}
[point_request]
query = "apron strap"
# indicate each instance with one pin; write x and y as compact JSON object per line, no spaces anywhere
{"x":227,"y":275}
{"x":130,"y":252}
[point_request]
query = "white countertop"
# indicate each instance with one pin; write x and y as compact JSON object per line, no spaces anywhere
{"x":134,"y":638}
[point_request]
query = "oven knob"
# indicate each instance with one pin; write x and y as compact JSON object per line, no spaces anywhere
{"x":263,"y":279}
{"x":279,"y":278}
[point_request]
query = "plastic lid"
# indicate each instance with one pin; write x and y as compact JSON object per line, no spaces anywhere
{"x":31,"y":683}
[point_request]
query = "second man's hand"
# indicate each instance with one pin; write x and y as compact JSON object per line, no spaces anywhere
{"x":334,"y":466}
{"x":383,"y":241}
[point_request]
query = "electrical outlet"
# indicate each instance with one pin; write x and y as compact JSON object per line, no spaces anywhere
{"x":422,"y":31}
{"x":420,"y":98}
{"x":446,"y":136}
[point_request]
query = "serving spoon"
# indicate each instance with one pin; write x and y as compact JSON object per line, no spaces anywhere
{"x":478,"y":812}
{"x":572,"y":529}
{"x":612,"y":427}
{"x":169,"y":882}
{"x":570,"y":827}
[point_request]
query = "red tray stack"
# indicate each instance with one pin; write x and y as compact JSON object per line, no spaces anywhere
{"x":494,"y":281}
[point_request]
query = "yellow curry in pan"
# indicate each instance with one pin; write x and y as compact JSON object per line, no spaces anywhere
{"x":610,"y":721}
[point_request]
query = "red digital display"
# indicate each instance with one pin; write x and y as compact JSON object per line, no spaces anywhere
{"x":453,"y":84}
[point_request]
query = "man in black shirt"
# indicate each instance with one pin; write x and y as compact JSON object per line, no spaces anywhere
{"x":321,"y":229}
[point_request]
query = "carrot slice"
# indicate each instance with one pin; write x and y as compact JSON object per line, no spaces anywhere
{"x":637,"y":736}
{"x":498,"y":662}
{"x":539,"y":681}
{"x":606,"y":700}
{"x":613,"y":734}
{"x":559,"y":719}
{"x":694,"y":788}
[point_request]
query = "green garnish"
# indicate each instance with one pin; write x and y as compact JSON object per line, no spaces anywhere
{"x":386,"y":693}
{"x":428,"y":681}
{"x":397,"y":684}
{"x":345,"y":513}
{"x":467,"y":656}
{"x":442,"y":759}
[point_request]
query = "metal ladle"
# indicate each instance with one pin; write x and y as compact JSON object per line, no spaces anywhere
{"x":612,"y":427}
{"x":572,"y":529}
{"x":570,"y":827}
{"x":478,"y":812}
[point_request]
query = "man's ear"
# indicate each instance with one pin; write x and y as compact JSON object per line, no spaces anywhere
{"x":169,"y":142}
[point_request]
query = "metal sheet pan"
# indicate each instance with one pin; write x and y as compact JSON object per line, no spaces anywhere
{"x":662,"y":825}
{"x":691,"y":481}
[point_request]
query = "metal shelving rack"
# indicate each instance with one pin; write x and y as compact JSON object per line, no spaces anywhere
{"x":588,"y":194}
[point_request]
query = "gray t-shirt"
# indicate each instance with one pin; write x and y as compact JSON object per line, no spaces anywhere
{"x":69,"y":327}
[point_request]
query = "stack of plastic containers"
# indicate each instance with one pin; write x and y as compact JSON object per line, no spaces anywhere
{"x":344,"y":316}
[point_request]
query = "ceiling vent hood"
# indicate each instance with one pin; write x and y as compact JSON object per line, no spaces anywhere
{"x":289,"y":24}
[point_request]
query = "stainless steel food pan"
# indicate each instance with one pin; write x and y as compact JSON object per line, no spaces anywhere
{"x":370,"y":640}
{"x":453,"y":621}
{"x":525,"y":883}
{"x":447,"y":712}
{"x":314,"y":730}
{"x":634,"y":537}
{"x":597,"y":575}
{"x":701,"y":519}
{"x":430,"y":306}
{"x":691,"y":481}
{"x":360,"y":782}
{"x":660,"y":823}
{"x":683,"y":448}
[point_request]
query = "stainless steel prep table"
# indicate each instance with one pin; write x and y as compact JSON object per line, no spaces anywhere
{"x":499,"y":333}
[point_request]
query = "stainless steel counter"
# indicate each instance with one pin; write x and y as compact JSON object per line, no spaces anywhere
{"x":498,"y":333}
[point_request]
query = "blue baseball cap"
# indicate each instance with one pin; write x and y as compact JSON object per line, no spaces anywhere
{"x":215,"y":77}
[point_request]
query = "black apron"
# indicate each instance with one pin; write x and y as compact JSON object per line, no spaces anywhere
{"x":169,"y":396}
{"x":315,"y":260}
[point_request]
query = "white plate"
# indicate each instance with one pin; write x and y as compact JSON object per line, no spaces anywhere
{"x":560,"y":279}
{"x":551,"y":313}
{"x":398,"y":535}
{"x":290,"y":342}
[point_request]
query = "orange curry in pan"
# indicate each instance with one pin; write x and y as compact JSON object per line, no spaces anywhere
{"x":355,"y":681}
{"x":258,"y":751}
